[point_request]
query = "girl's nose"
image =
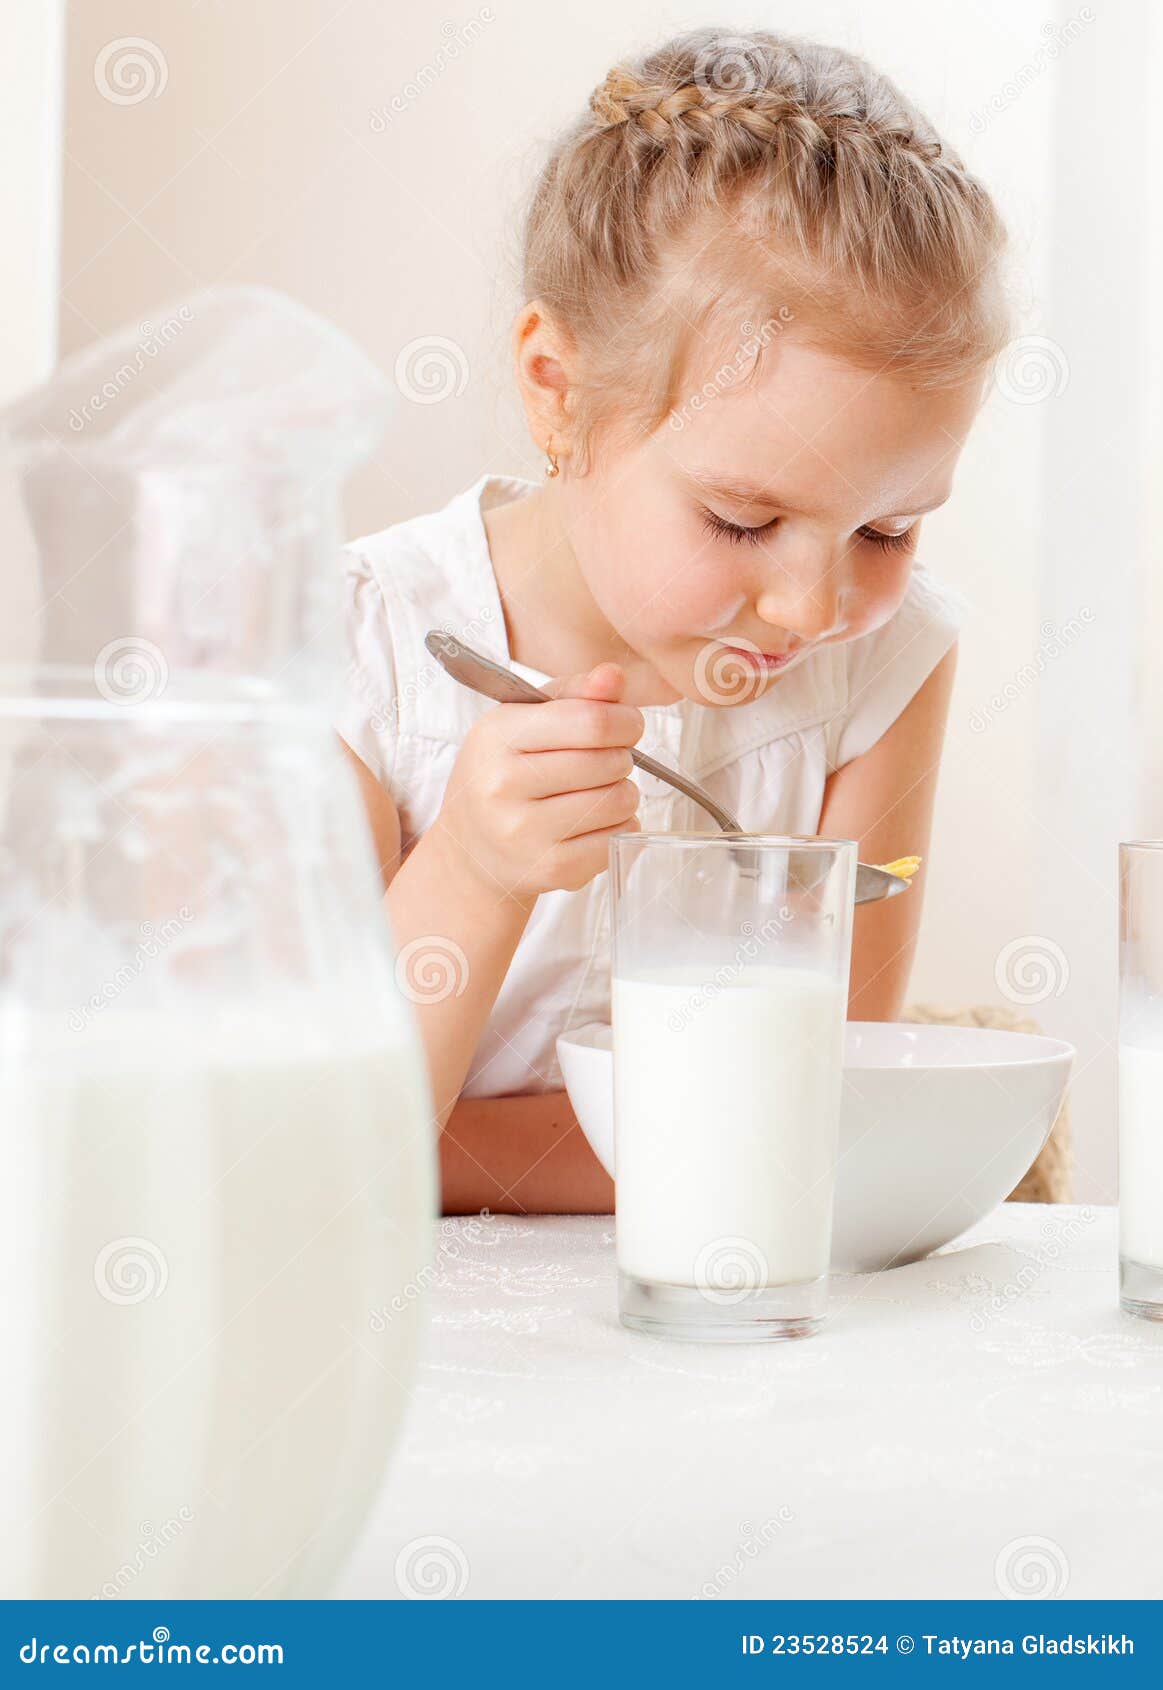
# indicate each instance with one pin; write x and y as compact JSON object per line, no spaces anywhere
{"x":809,"y":608}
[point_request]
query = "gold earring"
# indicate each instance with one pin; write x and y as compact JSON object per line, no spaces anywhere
{"x":552,"y":468}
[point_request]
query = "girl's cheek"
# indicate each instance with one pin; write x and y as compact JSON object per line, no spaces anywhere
{"x":663,"y":593}
{"x":725,"y":614}
{"x":877,"y":597}
{"x":680,"y":604}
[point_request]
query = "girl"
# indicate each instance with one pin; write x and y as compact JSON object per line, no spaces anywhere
{"x":762,"y":296}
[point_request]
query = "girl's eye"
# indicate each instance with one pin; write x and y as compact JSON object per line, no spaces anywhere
{"x":733,"y":531}
{"x":740,"y":535}
{"x":902,"y":542}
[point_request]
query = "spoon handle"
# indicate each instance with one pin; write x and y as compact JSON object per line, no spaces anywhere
{"x":479,"y":673}
{"x":492,"y":680}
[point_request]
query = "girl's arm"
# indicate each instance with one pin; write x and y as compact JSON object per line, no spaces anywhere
{"x":520,"y":1155}
{"x":432,"y":904}
{"x":884,"y":800}
{"x":512,"y":1155}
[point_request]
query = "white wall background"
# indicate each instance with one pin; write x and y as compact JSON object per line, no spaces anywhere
{"x":372,"y":160}
{"x":30,"y":199}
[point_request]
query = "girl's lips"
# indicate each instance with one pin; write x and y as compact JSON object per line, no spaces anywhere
{"x":762,"y":659}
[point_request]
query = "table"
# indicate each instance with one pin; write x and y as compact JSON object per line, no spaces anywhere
{"x":982,"y":1422}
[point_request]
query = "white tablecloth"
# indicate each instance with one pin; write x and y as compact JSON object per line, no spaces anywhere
{"x":982,"y":1422}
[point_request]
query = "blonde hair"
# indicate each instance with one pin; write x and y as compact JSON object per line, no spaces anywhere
{"x":729,"y":180}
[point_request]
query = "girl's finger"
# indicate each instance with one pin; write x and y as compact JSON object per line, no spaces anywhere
{"x":573,"y":813}
{"x":606,"y":681}
{"x":569,"y":724}
{"x":544,"y":774}
{"x":589,"y":850}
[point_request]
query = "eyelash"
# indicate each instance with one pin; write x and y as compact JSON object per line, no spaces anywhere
{"x":752,"y":536}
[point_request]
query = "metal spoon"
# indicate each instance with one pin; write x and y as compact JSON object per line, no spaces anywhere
{"x":492,"y":680}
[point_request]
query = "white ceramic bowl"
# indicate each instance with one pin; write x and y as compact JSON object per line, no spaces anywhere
{"x":937,"y":1126}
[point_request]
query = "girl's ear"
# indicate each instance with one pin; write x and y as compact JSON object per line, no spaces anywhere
{"x":543,"y":357}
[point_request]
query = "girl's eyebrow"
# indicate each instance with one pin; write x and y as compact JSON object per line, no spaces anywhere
{"x":744,"y":492}
{"x":754,"y":493}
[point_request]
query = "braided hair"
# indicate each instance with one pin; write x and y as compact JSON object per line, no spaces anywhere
{"x":723,"y":178}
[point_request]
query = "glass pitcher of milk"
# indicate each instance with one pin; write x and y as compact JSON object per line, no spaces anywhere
{"x":219,"y":1163}
{"x":729,"y":993}
{"x":1141,"y":1078}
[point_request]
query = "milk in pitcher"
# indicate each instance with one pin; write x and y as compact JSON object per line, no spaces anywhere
{"x":205,"y":1400}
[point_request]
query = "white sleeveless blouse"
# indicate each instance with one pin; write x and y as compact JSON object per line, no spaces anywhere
{"x":766,"y":760}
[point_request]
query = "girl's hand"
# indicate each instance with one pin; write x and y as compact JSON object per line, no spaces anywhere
{"x":537,"y":789}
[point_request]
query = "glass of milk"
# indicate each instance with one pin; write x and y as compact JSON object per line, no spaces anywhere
{"x":729,"y":995}
{"x":1141,"y":1078}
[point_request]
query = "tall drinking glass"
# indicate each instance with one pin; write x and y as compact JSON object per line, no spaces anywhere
{"x":730,"y":977}
{"x":1141,"y":1078}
